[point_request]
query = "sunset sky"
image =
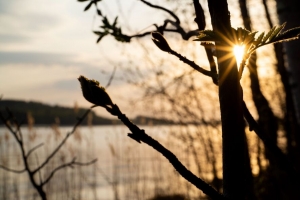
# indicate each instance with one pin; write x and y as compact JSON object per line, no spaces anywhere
{"x":45,"y":46}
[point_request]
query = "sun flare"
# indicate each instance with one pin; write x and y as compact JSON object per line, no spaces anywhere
{"x":238,"y":52}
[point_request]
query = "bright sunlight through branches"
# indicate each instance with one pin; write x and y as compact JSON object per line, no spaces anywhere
{"x":239,"y":53}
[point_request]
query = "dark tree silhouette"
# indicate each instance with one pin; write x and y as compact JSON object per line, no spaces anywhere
{"x":226,"y":75}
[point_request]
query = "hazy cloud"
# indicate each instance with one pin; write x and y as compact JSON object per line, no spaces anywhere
{"x":45,"y":59}
{"x":67,"y":85}
{"x":9,"y":38}
{"x":34,"y":58}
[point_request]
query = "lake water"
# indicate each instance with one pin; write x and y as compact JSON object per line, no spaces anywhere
{"x":124,"y":169}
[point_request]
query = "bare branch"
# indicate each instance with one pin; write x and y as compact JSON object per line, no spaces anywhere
{"x":140,"y":136}
{"x":62,"y":143}
{"x":38,"y":163}
{"x":179,"y":29}
{"x":200,"y":21}
{"x":18,"y":137}
{"x":12,"y":170}
{"x":164,"y":9}
{"x":8,"y":126}
{"x":33,"y":149}
{"x":194,"y":65}
{"x":200,"y":17}
{"x":111,"y":77}
{"x":69,"y":164}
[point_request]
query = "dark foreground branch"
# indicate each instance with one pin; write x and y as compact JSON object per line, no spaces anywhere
{"x":196,"y":67}
{"x":140,"y":136}
{"x":162,"y":8}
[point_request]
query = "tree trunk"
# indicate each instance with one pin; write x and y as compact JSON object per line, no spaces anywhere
{"x":288,"y":11}
{"x":230,"y":97}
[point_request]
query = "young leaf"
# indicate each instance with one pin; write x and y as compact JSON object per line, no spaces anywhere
{"x":277,"y":32}
{"x":99,"y":38}
{"x":88,"y":6}
{"x":115,"y":22}
{"x":207,"y":36}
{"x":106,"y":22}
{"x":99,"y":12}
{"x":268,"y":35}
{"x":209,"y":33}
{"x":288,"y":35}
{"x":249,"y":38}
{"x":258,"y":41}
{"x":204,"y":38}
{"x":242,"y":34}
{"x":98,"y":32}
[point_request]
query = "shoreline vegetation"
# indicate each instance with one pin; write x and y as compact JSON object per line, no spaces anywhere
{"x":41,"y":114}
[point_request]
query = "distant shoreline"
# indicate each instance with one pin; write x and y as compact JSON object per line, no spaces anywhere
{"x":41,"y":114}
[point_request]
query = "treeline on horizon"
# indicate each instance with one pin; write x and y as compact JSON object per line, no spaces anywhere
{"x":44,"y":114}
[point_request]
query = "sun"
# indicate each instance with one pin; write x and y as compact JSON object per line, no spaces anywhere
{"x":238,"y":51}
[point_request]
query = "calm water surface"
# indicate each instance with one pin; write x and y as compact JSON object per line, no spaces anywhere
{"x":125,"y":169}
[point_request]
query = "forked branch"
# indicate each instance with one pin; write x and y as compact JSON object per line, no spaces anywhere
{"x":38,"y":185}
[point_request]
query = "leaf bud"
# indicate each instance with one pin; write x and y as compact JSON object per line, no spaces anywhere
{"x":94,"y":93}
{"x":160,"y":41}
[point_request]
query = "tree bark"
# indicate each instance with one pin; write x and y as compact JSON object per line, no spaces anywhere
{"x":230,"y":97}
{"x":288,"y":11}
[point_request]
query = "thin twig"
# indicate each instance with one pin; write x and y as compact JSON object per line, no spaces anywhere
{"x":38,"y":163}
{"x":69,"y":164}
{"x":179,"y":29}
{"x":33,"y":149}
{"x":62,"y":143}
{"x":12,"y":170}
{"x":111,"y":77}
{"x":8,"y":126}
{"x":194,"y":65}
{"x":164,"y":9}
{"x":19,"y":139}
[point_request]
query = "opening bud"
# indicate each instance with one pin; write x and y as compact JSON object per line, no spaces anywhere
{"x":94,"y":93}
{"x":160,"y":41}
